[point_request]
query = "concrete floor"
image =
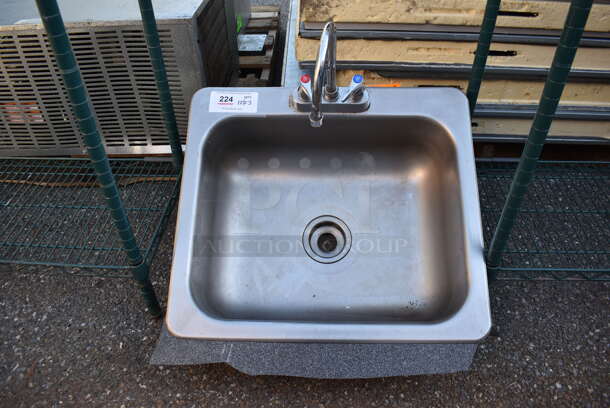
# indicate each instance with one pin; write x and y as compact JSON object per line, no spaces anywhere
{"x":68,"y":340}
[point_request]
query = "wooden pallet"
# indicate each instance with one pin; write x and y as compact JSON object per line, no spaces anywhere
{"x":257,"y":70}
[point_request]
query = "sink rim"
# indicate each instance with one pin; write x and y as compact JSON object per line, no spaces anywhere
{"x":470,"y":323}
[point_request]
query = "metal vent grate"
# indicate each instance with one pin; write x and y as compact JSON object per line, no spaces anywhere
{"x":34,"y":109}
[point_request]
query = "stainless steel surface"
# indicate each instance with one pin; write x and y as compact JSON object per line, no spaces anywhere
{"x":290,"y":67}
{"x":401,"y":177}
{"x":35,"y":118}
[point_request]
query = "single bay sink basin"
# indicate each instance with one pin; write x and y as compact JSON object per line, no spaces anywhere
{"x":366,"y":229}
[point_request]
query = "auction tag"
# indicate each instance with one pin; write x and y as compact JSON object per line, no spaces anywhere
{"x":233,"y":101}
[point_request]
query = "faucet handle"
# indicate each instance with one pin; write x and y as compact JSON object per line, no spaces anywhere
{"x":355,"y":90}
{"x":304,"y":90}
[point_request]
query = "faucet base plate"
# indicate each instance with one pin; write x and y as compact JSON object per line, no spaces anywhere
{"x":338,"y":106}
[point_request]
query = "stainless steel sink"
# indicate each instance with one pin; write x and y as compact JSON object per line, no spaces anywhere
{"x":366,"y":229}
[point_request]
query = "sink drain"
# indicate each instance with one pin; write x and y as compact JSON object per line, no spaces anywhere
{"x":327,"y":239}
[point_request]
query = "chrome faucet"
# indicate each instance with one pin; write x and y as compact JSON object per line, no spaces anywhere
{"x":320,"y":93}
{"x":324,"y":74}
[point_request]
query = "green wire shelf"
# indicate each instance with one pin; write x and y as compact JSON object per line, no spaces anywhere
{"x":562,"y":231}
{"x":53,"y":212}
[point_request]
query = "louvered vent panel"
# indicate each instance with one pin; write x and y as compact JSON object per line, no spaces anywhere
{"x":35,"y":112}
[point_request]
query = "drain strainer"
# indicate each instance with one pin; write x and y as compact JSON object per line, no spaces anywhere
{"x":327,"y":239}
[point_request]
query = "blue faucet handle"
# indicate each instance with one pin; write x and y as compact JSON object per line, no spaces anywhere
{"x":356,"y":89}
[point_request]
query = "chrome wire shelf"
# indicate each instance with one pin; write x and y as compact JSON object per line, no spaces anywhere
{"x":562,"y":230}
{"x":52,"y":212}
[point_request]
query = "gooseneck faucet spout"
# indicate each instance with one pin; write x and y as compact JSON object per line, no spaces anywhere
{"x":324,"y":82}
{"x":321,"y":93}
